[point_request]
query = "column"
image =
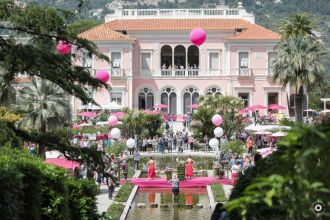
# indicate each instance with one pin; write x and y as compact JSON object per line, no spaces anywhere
{"x":179,"y":103}
{"x":186,"y":71}
{"x":130,"y":92}
{"x":173,"y":72}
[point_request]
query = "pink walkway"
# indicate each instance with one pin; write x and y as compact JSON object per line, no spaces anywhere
{"x":163,"y":183}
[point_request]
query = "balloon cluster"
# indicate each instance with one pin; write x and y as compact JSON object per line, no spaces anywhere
{"x":218,"y":131}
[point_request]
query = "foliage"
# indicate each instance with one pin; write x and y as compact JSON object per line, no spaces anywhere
{"x":124,"y":192}
{"x":218,"y":192}
{"x":181,"y":171}
{"x":272,"y":189}
{"x":300,"y":58}
{"x":234,"y":147}
{"x":116,"y":148}
{"x":8,"y":116}
{"x":43,"y":105}
{"x":115,"y":210}
{"x":55,"y":195}
{"x":136,"y":122}
{"x":91,"y":130}
{"x":226,"y":106}
{"x":36,"y":56}
{"x":83,"y":25}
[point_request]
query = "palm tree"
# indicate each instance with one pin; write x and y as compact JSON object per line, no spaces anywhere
{"x":43,"y":105}
{"x":297,"y":24}
{"x":299,"y":63}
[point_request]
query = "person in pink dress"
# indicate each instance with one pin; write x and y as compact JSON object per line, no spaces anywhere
{"x":189,"y":168}
{"x":151,"y":168}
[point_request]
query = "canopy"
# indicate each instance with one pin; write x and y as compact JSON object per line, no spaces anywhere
{"x":87,"y":114}
{"x":265,"y":151}
{"x":118,"y":114}
{"x":276,"y":107}
{"x":84,"y":125}
{"x":150,"y":112}
{"x":245,"y":110}
{"x":193,"y":106}
{"x":62,"y":162}
{"x":161,"y":106}
{"x":310,"y":110}
{"x":90,"y":106}
{"x":325,"y":111}
{"x":258,"y":107}
{"x":280,"y":134}
{"x":263,"y":132}
{"x":253,"y":127}
{"x":112,"y":106}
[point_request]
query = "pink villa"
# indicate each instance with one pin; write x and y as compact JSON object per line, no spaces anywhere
{"x":154,"y":62}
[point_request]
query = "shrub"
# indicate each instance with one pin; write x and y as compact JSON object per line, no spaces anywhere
{"x":218,"y":192}
{"x":116,"y":148}
{"x":30,"y":189}
{"x":115,"y":210}
{"x":235,"y":147}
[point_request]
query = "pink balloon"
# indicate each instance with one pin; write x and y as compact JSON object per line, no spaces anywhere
{"x":102,"y":75}
{"x":63,"y":47}
{"x":197,"y":36}
{"x":113,"y":120}
{"x":217,"y":120}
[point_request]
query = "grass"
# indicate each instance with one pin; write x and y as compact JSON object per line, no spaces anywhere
{"x":115,"y":210}
{"x":124,"y":192}
{"x":218,"y":192}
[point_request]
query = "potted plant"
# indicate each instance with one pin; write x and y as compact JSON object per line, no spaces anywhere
{"x":216,"y":169}
{"x":181,"y":170}
{"x":168,"y":173}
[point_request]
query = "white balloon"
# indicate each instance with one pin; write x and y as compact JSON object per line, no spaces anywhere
{"x":218,"y":131}
{"x":214,"y":143}
{"x":115,"y":133}
{"x":130,"y":143}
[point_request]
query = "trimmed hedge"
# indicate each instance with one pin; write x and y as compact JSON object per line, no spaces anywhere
{"x":31,"y":189}
{"x":124,"y":192}
{"x":218,"y":192}
{"x":115,"y":210}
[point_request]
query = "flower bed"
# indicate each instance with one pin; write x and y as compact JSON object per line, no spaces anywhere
{"x":114,"y":211}
{"x":124,"y":192}
{"x":218,"y":192}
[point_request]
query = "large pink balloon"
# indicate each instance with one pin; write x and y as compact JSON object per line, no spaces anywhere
{"x":113,"y":120}
{"x":102,"y":75}
{"x":217,"y":120}
{"x":63,"y":47}
{"x":197,"y":36}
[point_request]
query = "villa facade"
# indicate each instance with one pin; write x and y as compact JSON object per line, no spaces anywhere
{"x":154,"y":62}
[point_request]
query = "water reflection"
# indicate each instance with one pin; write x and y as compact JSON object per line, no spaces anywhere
{"x":190,"y":197}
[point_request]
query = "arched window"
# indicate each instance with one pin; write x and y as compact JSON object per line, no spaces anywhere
{"x":166,"y":57}
{"x":190,"y":96}
{"x":193,"y":60}
{"x":146,"y":98}
{"x":180,"y":60}
{"x":214,"y":91}
{"x":168,"y":97}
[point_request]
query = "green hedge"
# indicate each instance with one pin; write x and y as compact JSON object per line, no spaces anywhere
{"x":30,"y":189}
{"x":218,"y":192}
{"x":115,"y":210}
{"x":124,"y":192}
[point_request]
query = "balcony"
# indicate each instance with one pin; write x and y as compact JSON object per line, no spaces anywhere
{"x":181,"y":73}
{"x":244,"y":72}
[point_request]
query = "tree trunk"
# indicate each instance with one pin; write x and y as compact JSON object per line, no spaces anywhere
{"x":298,"y":102}
{"x":42,"y":148}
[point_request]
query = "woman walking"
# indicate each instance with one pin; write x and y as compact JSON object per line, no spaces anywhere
{"x":151,"y":169}
{"x":189,"y":168}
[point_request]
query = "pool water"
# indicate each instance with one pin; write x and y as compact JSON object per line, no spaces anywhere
{"x":164,"y":196}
